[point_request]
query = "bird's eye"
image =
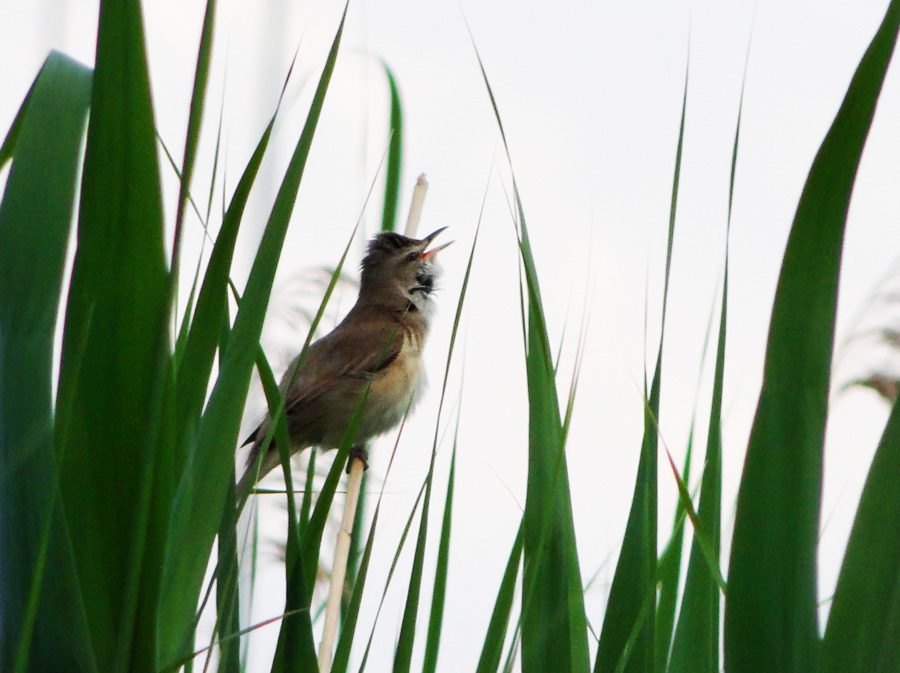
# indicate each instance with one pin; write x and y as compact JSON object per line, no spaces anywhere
{"x":413,"y":256}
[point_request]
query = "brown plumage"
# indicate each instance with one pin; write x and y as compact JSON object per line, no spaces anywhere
{"x":377,"y":346}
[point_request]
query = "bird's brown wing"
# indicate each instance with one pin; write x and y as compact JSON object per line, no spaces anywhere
{"x":332,"y":375}
{"x":355,"y":351}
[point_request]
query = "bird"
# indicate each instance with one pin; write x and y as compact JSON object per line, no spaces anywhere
{"x":375,"y":352}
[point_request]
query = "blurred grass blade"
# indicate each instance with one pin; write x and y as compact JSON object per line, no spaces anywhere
{"x":492,"y":651}
{"x":636,"y":572}
{"x":201,"y":492}
{"x":41,"y":611}
{"x":116,"y":329}
{"x":863,"y":634}
{"x":771,"y":610}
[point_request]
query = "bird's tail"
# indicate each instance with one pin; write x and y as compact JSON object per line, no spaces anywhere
{"x":257,"y":468}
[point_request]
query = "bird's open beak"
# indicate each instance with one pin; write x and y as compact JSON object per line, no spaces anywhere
{"x":427,"y":241}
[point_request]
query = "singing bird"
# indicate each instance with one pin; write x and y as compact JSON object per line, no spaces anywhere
{"x":376,"y":352}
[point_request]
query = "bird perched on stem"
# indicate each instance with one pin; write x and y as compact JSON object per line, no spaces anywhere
{"x":375,"y":352}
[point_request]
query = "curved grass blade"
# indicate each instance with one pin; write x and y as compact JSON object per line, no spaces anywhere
{"x":348,"y":627}
{"x":195,"y":117}
{"x":227,"y":595}
{"x":395,"y":155}
{"x":636,"y":572}
{"x":492,"y":650}
{"x":295,"y":649}
{"x":212,"y":303}
{"x":8,"y":147}
{"x":771,"y":610}
{"x":302,"y":550}
{"x":195,"y":515}
{"x":863,"y":634}
{"x":41,"y":611}
{"x":668,"y":572}
{"x":387,"y":584}
{"x":700,"y":535}
{"x":345,"y":640}
{"x":433,"y":639}
{"x":403,"y":653}
{"x":554,"y":627}
{"x":165,"y":466}
{"x":695,"y":648}
{"x":405,"y":641}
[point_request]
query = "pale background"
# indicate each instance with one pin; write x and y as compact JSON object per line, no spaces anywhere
{"x":590,"y":95}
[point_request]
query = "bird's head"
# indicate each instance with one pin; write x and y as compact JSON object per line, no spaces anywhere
{"x":399,"y":271}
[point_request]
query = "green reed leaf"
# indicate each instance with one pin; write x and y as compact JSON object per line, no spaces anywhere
{"x":771,"y":610}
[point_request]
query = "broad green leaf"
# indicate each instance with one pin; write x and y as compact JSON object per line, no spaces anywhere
{"x":113,"y":366}
{"x":771,"y":610}
{"x":172,"y":446}
{"x":212,"y":305}
{"x":44,"y":625}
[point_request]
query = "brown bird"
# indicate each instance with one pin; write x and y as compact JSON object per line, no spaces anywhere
{"x":377,"y":347}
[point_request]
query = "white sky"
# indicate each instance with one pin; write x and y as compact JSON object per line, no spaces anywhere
{"x":590,"y":96}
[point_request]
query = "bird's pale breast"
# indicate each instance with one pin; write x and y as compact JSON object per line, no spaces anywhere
{"x":396,"y":389}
